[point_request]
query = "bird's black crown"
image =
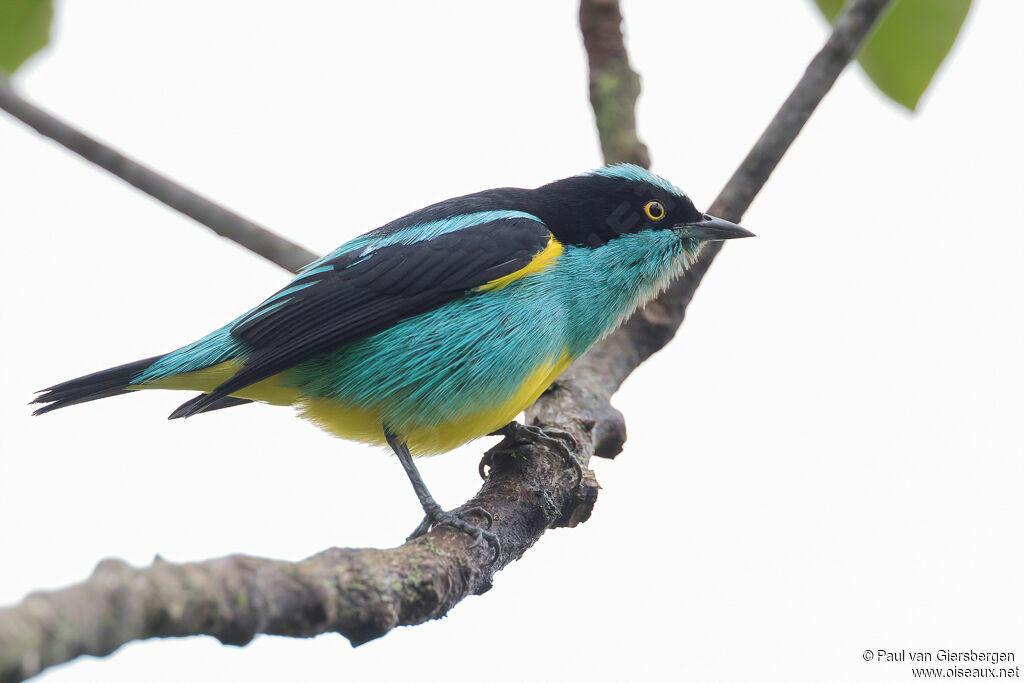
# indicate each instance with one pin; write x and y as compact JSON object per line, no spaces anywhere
{"x":585,"y":210}
{"x":594,"y":208}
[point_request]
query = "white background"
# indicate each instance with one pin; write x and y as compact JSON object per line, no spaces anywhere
{"x":827,"y":459}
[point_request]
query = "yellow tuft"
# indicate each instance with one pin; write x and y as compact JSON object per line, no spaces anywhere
{"x":545,"y":259}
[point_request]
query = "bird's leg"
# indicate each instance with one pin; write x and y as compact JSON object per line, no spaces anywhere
{"x":435,"y":516}
{"x":518,"y":434}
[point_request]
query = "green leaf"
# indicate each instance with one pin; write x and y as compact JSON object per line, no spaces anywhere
{"x":908,"y":45}
{"x":24,"y":30}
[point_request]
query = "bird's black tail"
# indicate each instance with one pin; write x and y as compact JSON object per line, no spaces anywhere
{"x":109,"y":382}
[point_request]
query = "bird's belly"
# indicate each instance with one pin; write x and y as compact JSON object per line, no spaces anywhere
{"x":442,"y":378}
{"x":441,"y":423}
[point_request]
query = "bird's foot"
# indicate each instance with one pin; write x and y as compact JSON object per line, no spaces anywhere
{"x":437,"y":517}
{"x":517,"y":434}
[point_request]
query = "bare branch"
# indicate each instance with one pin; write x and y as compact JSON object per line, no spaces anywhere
{"x":362,"y":594}
{"x":222,"y":221}
{"x":614,"y":85}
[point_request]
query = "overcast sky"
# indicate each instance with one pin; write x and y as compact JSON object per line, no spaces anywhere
{"x":827,"y":459}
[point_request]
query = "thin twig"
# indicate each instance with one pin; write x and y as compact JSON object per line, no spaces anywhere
{"x":364,"y":593}
{"x":849,"y":32}
{"x":649,"y":329}
{"x":222,"y":221}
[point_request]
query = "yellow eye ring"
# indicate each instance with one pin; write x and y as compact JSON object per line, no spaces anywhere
{"x":655,"y":210}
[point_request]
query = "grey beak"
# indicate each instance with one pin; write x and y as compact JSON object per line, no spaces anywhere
{"x":714,"y":229}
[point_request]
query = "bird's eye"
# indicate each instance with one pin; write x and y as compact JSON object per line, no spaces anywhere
{"x":655,"y":210}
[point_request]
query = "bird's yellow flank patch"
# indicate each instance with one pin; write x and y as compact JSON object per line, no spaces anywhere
{"x":428,"y":437}
{"x":545,"y":259}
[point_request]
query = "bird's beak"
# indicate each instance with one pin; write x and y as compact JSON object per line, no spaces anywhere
{"x":713,"y":229}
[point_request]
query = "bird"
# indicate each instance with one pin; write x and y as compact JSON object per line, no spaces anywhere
{"x":443,"y":325}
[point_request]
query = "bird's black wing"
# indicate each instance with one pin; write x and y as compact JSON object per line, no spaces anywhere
{"x":358,"y":292}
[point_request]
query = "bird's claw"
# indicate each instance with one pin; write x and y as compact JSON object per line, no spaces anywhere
{"x":439,"y":517}
{"x":518,"y":434}
{"x":486,"y":462}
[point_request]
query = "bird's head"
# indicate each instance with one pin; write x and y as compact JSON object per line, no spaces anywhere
{"x":595,"y":208}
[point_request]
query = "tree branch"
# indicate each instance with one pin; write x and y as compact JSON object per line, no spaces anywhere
{"x":222,"y":221}
{"x":361,"y":594}
{"x":531,"y":487}
{"x":614,"y":85}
